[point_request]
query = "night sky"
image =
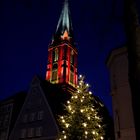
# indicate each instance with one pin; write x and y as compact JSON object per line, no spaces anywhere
{"x":27,"y":27}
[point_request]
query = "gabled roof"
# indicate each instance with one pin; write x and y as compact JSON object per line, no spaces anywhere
{"x":55,"y":96}
{"x":39,"y":99}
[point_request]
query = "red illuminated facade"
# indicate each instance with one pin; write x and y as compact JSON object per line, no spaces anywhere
{"x":62,"y":53}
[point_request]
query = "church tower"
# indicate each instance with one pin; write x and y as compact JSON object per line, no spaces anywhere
{"x":62,"y":53}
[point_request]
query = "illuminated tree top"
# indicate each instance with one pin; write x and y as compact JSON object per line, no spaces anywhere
{"x":82,"y":119}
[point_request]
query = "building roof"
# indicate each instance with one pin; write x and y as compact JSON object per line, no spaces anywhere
{"x":64,"y":23}
{"x":114,"y":53}
{"x":55,"y":95}
{"x":64,"y":29}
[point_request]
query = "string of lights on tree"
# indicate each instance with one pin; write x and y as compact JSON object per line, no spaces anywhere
{"x":81,"y":120}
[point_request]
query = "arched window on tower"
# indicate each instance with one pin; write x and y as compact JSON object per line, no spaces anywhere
{"x":55,"y":55}
{"x":54,"y":71}
{"x":54,"y":75}
{"x":71,"y":77}
{"x":72,"y":57}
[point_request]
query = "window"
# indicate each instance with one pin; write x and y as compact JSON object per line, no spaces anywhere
{"x":72,"y":68}
{"x":54,"y":75}
{"x":72,"y":57}
{"x":40,"y":115}
{"x":55,"y":55}
{"x":23,"y":133}
{"x":6,"y":118}
{"x":71,"y":77}
{"x":55,"y":66}
{"x":6,"y":121}
{"x":9,"y":107}
{"x":30,"y":132}
{"x":38,"y":131}
{"x":6,"y":108}
{"x":32,"y":117}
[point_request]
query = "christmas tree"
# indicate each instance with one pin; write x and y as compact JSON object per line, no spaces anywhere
{"x":81,"y":120}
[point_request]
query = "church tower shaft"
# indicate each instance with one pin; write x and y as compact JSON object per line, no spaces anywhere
{"x":62,"y":53}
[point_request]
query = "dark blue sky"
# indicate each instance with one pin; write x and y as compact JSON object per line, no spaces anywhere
{"x":26,"y":29}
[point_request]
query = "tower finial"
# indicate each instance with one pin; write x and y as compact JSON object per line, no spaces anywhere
{"x":64,"y":22}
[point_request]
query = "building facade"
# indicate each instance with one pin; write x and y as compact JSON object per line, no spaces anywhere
{"x":9,"y":109}
{"x":121,"y":95}
{"x":6,"y":113}
{"x":36,"y":119}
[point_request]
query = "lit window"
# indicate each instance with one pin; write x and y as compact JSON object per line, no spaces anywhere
{"x":54,"y":75}
{"x":30,"y":132}
{"x":40,"y":115}
{"x":55,"y":55}
{"x":23,"y":133}
{"x":71,"y":77}
{"x":72,"y":57}
{"x":38,"y":131}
